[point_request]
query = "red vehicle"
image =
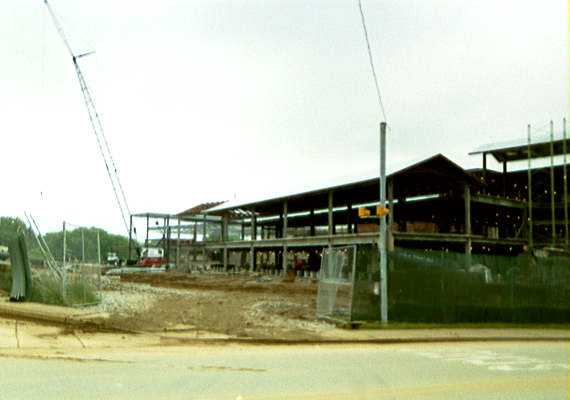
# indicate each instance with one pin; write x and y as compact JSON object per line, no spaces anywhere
{"x":152,"y":257}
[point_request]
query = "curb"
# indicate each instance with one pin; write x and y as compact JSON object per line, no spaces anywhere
{"x":93,"y":320}
{"x":385,"y":341}
{"x":99,"y":321}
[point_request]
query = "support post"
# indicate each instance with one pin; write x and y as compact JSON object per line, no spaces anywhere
{"x":468,"y":243}
{"x":130,"y":237}
{"x":530,"y":222}
{"x":242,"y":229}
{"x":82,"y":245}
{"x":253,"y":238}
{"x":382,"y":230}
{"x":330,"y":226}
{"x":254,"y":227}
{"x":552,"y":202}
{"x":225,"y":239}
{"x":565,"y":186}
{"x":330,"y":214}
{"x":284,"y":235}
{"x":98,"y":248}
{"x":167,"y":241}
{"x":504,"y":178}
{"x":64,"y":245}
{"x":312,"y":214}
{"x":178,"y":245}
{"x":225,"y":260}
{"x":204,"y":252}
{"x":484,"y":172}
{"x":64,"y":272}
{"x":194,"y":238}
{"x":349,"y":218}
{"x":146,"y":238}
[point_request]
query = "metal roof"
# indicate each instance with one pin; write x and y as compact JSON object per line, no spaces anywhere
{"x":367,"y":178}
{"x":517,"y":149}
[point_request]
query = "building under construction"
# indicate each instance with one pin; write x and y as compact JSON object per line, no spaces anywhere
{"x":434,"y":204}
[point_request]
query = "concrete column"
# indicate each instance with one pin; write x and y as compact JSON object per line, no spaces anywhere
{"x":284,"y":235}
{"x":330,"y":214}
{"x":312,"y":215}
{"x":194,"y":239}
{"x":242,"y":229}
{"x":225,"y":259}
{"x":484,"y":171}
{"x":178,"y":243}
{"x":253,"y":238}
{"x":253,"y":226}
{"x":204,"y":254}
{"x":504,"y":176}
{"x":349,"y":218}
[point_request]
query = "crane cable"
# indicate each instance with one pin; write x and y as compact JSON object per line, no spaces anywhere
{"x":374,"y":76}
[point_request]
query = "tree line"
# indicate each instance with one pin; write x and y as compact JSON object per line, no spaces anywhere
{"x":81,"y":243}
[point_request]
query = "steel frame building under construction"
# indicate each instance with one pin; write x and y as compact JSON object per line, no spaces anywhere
{"x":434,"y":204}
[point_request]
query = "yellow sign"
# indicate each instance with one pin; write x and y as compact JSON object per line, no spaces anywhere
{"x":382,"y":211}
{"x":363,"y":212}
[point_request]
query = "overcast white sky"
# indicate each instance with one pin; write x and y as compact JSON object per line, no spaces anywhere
{"x":211,"y":100}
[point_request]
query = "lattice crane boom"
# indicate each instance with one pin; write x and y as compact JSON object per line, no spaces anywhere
{"x":97,"y":126}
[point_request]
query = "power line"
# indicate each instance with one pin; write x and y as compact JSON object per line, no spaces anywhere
{"x":380,"y":103}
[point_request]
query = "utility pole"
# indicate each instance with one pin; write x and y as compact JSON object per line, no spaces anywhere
{"x":552,"y":202}
{"x":565,"y":186}
{"x":382,"y":230}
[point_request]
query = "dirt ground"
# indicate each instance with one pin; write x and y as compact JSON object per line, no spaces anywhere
{"x":260,"y":307}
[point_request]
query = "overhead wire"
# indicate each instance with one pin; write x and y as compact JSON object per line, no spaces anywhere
{"x":371,"y":59}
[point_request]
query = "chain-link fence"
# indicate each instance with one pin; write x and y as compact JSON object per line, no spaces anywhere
{"x":334,"y":296}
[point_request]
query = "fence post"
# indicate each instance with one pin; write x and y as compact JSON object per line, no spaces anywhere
{"x":63,"y":264}
{"x":82,"y":246}
{"x":98,"y":248}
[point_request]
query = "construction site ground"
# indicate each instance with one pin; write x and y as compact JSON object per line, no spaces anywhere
{"x":167,"y":309}
{"x":261,"y":307}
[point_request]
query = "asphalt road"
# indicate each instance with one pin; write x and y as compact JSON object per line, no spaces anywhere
{"x":534,"y":370}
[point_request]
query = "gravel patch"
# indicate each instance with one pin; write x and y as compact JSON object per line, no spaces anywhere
{"x":284,"y":315}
